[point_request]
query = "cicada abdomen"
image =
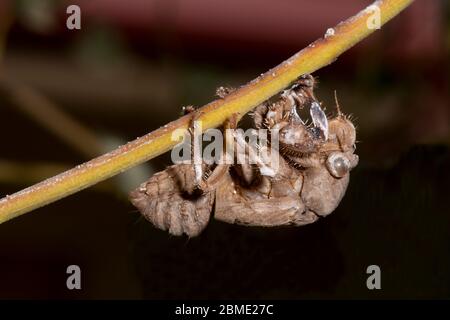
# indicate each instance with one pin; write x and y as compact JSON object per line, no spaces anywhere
{"x":171,"y":201}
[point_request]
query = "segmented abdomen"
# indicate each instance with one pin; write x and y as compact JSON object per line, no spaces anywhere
{"x":170,"y":201}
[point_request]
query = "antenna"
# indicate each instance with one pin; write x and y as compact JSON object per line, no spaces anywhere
{"x":337,"y":104}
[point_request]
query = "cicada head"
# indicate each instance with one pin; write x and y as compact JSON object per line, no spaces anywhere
{"x":326,"y":182}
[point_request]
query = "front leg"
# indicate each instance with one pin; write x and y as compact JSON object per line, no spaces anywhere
{"x":208,"y":181}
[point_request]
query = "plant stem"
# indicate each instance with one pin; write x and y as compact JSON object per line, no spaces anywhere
{"x":317,"y":55}
{"x":50,"y":116}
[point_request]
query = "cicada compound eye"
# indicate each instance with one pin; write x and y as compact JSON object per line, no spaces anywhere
{"x":338,"y":165}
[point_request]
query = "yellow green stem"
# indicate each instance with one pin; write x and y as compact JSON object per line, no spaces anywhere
{"x":317,"y":55}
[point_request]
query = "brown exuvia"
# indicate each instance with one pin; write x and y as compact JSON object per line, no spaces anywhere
{"x":314,"y":162}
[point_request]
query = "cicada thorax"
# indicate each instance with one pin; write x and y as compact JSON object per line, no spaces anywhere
{"x":267,"y":202}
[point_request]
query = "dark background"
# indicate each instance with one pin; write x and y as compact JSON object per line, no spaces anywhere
{"x":67,"y":96}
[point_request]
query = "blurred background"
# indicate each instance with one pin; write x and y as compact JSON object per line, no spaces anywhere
{"x":67,"y":96}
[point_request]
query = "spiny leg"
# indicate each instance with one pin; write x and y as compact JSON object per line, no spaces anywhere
{"x":208,"y":181}
{"x":300,"y":93}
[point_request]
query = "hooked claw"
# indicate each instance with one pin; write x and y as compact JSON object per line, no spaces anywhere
{"x":295,"y":102}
